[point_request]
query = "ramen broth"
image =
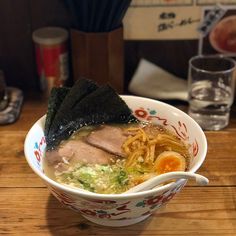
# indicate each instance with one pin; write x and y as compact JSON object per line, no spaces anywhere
{"x":114,"y":158}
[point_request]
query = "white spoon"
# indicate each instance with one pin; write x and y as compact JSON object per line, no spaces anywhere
{"x":157,"y":180}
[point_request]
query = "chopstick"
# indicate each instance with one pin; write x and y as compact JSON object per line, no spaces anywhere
{"x":97,"y":15}
{"x":121,"y":13}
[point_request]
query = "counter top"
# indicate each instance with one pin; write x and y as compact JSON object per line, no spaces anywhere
{"x":27,"y":207}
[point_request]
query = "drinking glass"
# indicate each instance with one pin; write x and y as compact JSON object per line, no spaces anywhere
{"x":211,"y":90}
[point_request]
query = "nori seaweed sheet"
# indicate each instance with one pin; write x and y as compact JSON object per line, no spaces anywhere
{"x":103,"y":105}
{"x":57,"y":96}
{"x":81,"y":88}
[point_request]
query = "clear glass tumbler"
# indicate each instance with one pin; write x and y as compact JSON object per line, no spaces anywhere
{"x":211,"y":90}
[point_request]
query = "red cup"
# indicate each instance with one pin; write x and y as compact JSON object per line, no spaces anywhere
{"x":51,"y":57}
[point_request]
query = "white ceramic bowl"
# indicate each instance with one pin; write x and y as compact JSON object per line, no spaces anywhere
{"x":125,"y":209}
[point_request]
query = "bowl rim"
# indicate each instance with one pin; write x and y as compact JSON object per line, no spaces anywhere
{"x":87,"y":194}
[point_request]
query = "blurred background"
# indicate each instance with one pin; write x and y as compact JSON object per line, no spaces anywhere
{"x":18,"y":20}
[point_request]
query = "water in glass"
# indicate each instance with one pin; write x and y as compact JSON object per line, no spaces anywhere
{"x":210,"y":105}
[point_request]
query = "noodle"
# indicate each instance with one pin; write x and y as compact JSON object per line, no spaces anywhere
{"x":147,"y":145}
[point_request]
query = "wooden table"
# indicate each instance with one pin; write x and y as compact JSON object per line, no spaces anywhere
{"x":27,"y":207}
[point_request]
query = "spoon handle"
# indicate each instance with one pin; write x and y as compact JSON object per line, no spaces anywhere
{"x":157,"y":180}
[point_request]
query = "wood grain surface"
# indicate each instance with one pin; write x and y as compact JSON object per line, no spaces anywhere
{"x":27,"y":207}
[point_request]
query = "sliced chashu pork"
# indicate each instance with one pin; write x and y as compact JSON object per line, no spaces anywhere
{"x":108,"y":138}
{"x":78,"y":151}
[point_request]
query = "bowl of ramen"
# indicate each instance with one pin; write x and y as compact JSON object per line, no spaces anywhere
{"x":94,"y":155}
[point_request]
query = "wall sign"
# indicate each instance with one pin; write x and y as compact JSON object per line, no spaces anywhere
{"x":167,"y":19}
